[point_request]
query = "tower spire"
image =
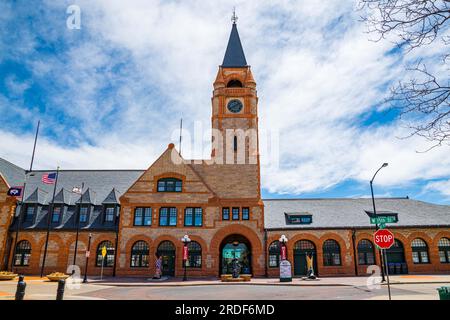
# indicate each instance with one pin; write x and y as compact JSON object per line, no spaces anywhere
{"x":234,"y":56}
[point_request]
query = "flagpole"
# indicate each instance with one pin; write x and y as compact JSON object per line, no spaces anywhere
{"x":78,"y":227}
{"x":50,"y":212}
{"x":22,"y":205}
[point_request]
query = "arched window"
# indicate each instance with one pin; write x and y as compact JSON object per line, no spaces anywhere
{"x":139,"y":255}
{"x":274,"y":254}
{"x":108,"y":260}
{"x":419,"y":251}
{"x":366,"y":254}
{"x":23,"y":253}
{"x":194,"y":255}
{"x":331,"y":253}
{"x":170,"y":185}
{"x":234,"y":84}
{"x":444,"y":250}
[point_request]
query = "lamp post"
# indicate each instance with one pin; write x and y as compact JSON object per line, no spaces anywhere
{"x":185,"y":241}
{"x":88,"y":253}
{"x":283,"y":240}
{"x":375,"y":215}
{"x":285,"y":266}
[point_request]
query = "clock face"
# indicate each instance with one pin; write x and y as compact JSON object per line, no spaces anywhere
{"x":235,"y":106}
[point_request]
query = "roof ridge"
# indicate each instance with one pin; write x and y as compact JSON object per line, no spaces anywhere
{"x":15,"y":165}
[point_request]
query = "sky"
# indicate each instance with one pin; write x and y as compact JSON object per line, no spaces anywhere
{"x":110,"y":95}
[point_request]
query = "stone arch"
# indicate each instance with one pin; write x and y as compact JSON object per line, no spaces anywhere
{"x":439,"y":236}
{"x":257,"y":254}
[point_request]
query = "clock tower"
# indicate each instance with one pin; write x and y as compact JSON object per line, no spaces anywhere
{"x":235,"y":108}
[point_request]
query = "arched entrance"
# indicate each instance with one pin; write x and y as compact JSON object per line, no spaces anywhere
{"x":235,"y":247}
{"x":396,"y":258}
{"x":166,"y":250}
{"x":301,"y":249}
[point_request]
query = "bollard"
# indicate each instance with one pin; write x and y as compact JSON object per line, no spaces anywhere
{"x":60,"y":292}
{"x":21,"y":285}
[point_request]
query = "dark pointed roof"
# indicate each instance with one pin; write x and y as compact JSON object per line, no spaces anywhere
{"x":38,"y":196}
{"x":112,"y":198}
{"x":88,"y":197}
{"x":234,"y":56}
{"x":63,"y":196}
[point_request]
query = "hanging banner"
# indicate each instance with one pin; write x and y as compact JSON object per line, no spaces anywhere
{"x":283,"y":252}
{"x":185,"y":252}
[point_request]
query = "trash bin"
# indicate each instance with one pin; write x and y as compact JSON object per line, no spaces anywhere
{"x":444,"y":293}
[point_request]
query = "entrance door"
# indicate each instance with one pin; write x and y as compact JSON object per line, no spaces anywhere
{"x":166,"y":250}
{"x":396,"y":259}
{"x":301,"y":249}
{"x":235,"y":247}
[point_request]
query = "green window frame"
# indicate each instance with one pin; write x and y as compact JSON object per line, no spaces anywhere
{"x":225,"y":213}
{"x":170,"y":185}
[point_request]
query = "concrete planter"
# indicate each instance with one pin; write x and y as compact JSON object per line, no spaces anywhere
{"x":8,"y":276}
{"x":57,"y":277}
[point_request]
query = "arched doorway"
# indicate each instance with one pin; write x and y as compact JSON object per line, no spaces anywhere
{"x":235,"y":247}
{"x":396,"y":258}
{"x":301,"y":249}
{"x":166,"y":250}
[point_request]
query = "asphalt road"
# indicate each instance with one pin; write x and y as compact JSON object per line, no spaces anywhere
{"x":246,"y":292}
{"x":46,"y":290}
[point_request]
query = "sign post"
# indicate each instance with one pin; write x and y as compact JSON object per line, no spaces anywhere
{"x":384,"y":239}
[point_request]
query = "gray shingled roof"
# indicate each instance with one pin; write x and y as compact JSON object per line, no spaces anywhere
{"x":234,"y":56}
{"x":13,"y":174}
{"x":98,"y":184}
{"x":340,"y":213}
{"x":101,"y":187}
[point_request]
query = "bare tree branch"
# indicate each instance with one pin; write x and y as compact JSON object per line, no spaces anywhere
{"x":423,"y":100}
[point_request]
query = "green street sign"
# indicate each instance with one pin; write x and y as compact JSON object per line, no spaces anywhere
{"x":382,"y":226}
{"x":383,"y":220}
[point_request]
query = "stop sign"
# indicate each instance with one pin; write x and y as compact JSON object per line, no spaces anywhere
{"x":383,"y":238}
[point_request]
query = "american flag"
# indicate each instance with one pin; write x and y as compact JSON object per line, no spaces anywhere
{"x":49,"y":178}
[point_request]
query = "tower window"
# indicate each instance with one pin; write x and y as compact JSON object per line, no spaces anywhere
{"x":170,"y":185}
{"x":234,"y":84}
{"x":235,"y":142}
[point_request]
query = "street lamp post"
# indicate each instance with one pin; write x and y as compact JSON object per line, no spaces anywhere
{"x":88,"y":253}
{"x":285,"y":266}
{"x":375,"y":215}
{"x":185,"y":241}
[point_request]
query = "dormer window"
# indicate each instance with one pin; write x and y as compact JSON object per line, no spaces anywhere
{"x":84,"y":211}
{"x":56,"y":215}
{"x":29,"y":214}
{"x":298,"y":218}
{"x":170,"y":185}
{"x":109,"y":214}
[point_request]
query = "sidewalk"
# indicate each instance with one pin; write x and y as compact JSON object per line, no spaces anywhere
{"x":329,"y":281}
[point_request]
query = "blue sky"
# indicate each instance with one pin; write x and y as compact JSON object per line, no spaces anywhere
{"x":111,"y":94}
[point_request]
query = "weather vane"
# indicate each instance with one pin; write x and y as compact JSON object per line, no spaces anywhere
{"x":234,"y":18}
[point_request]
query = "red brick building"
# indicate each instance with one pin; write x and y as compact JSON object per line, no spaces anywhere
{"x":216,"y":202}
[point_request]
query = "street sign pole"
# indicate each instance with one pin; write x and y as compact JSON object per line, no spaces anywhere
{"x":387,"y":273}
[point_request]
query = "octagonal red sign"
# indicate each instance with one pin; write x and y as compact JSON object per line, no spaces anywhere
{"x":383,"y":238}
